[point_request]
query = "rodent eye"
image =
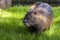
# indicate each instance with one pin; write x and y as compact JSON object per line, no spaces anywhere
{"x":35,"y":13}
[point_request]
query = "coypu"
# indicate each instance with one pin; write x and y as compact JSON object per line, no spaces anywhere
{"x":39,"y":16}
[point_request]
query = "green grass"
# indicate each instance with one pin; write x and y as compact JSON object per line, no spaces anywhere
{"x":12,"y":27}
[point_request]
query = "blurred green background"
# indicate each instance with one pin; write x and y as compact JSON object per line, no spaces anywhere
{"x":12,"y":27}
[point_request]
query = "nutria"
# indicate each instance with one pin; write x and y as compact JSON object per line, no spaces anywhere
{"x":39,"y":16}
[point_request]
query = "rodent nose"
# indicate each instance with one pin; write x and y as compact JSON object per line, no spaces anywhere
{"x":25,"y":21}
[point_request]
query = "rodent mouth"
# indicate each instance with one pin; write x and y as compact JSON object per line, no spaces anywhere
{"x":27,"y":24}
{"x":30,"y":25}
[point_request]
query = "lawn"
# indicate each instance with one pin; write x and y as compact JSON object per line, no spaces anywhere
{"x":12,"y":27}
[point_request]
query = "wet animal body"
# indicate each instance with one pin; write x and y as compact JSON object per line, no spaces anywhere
{"x":39,"y":16}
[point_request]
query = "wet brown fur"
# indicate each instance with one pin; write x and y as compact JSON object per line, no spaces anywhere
{"x":43,"y":20}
